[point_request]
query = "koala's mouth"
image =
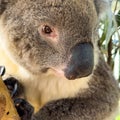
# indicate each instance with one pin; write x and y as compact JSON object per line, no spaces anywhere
{"x":55,"y":71}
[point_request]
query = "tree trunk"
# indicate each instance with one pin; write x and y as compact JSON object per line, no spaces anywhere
{"x":7,"y":109}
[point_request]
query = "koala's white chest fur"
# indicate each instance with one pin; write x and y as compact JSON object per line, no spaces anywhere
{"x":48,"y":88}
{"x":52,"y":87}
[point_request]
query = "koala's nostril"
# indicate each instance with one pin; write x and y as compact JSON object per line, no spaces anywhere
{"x":74,"y":73}
{"x":71,"y":75}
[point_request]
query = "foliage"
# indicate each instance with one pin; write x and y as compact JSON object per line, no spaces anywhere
{"x":110,"y":39}
{"x":118,"y":118}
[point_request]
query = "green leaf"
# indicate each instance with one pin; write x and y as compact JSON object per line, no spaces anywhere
{"x":118,"y":118}
{"x":118,"y":18}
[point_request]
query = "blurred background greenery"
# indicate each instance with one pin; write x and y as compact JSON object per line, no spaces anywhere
{"x":109,"y":42}
{"x":110,"y":39}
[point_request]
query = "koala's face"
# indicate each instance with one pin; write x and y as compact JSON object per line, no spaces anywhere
{"x":51,"y":34}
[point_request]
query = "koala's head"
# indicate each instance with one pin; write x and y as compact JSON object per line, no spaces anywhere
{"x":52,"y":34}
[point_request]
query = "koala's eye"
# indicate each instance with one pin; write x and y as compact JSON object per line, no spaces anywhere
{"x":48,"y":32}
{"x":46,"y":29}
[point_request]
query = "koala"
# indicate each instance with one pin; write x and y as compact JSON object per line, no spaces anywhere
{"x":51,"y":48}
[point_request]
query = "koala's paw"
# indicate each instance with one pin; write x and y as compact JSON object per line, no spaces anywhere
{"x":24,"y":109}
{"x":14,"y":87}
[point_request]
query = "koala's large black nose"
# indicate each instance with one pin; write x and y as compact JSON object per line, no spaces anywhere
{"x":81,"y":63}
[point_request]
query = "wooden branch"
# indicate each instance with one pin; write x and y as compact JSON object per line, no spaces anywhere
{"x":7,"y":109}
{"x":109,"y":59}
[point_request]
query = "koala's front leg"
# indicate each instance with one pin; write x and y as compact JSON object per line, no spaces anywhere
{"x":86,"y":108}
{"x":70,"y":109}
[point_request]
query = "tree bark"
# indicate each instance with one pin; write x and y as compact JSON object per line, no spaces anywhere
{"x":7,"y":109}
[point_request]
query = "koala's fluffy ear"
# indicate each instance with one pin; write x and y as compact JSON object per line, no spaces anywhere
{"x":3,"y":5}
{"x":103,"y":7}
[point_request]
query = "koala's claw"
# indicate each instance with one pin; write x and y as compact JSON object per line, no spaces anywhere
{"x":13,"y":86}
{"x":2,"y":70}
{"x":24,"y":109}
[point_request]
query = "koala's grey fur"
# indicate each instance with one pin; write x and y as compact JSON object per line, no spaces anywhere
{"x":25,"y":53}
